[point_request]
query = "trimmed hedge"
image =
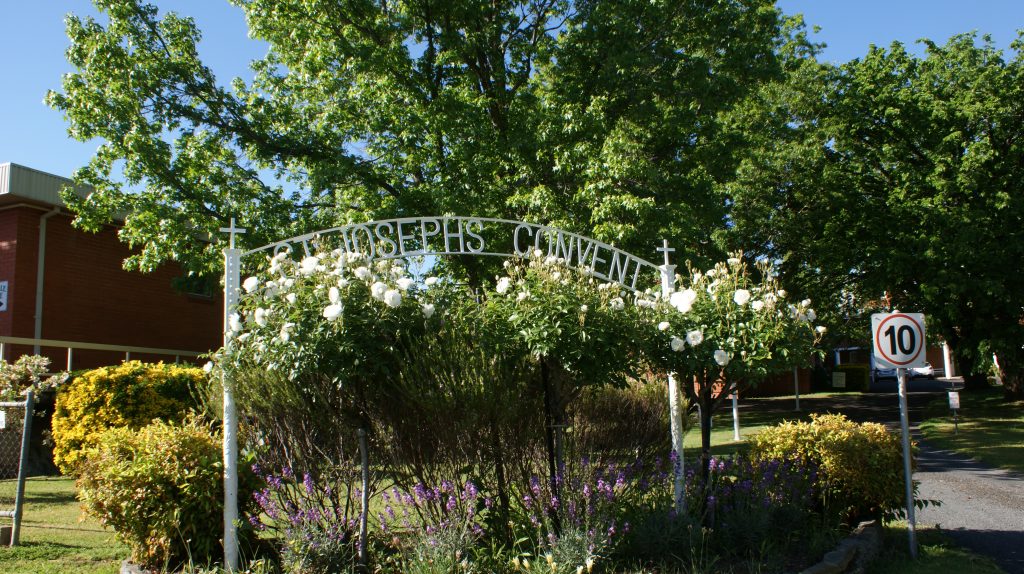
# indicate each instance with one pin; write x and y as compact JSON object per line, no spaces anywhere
{"x":129,"y":395}
{"x":860,"y":465}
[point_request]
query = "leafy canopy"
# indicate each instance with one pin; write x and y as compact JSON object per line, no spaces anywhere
{"x":598,"y":117}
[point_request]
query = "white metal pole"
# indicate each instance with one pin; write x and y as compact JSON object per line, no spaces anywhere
{"x":796,"y":388}
{"x":675,"y":414}
{"x":19,"y":494}
{"x":901,"y":375}
{"x":947,"y":359}
{"x":735,"y":415}
{"x":232,"y":281}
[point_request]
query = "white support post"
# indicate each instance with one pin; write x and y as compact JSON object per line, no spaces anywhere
{"x":232,"y":283}
{"x":947,"y":360}
{"x":735,"y":415}
{"x":675,"y":414}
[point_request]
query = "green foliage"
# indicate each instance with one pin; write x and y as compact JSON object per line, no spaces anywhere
{"x":160,"y":488}
{"x":27,"y":373}
{"x":931,"y":142}
{"x":592,"y":117}
{"x":130,"y":395}
{"x":860,"y":465}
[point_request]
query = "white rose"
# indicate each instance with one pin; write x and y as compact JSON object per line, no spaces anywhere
{"x":428,"y":310}
{"x":261,"y":317}
{"x":617,"y":304}
{"x":377,"y":290}
{"x":290,"y":298}
{"x":208,"y":367}
{"x":537,"y":253}
{"x":721,"y":357}
{"x":393,"y":298}
{"x":250,"y":284}
{"x":342,"y":283}
{"x":332,"y":312}
{"x":362,"y":273}
{"x":663,"y":326}
{"x":309,"y":265}
{"x":503,"y":285}
{"x":741,"y":296}
{"x":334,"y":294}
{"x":584,"y":308}
{"x":677,"y":344}
{"x":733,"y":261}
{"x":694,"y":337}
{"x":821,"y":329}
{"x":683,"y":300}
{"x":522,"y":296}
{"x":404,"y":283}
{"x":234,"y":323}
{"x":430,"y":281}
{"x":805,"y":303}
{"x":757,"y":305}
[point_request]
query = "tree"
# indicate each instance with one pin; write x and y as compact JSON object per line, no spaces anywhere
{"x":728,"y":330}
{"x":592,"y":116}
{"x":899,"y":176}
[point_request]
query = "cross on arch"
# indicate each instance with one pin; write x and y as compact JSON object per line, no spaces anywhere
{"x":232,"y":231}
{"x":666,"y":250}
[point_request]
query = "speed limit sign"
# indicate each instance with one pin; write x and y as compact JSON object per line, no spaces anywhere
{"x":898,"y":340}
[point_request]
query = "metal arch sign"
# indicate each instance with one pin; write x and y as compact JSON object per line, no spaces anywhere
{"x":898,"y":340}
{"x":480,"y":236}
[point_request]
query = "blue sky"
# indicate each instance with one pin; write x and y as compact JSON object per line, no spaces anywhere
{"x":32,"y":44}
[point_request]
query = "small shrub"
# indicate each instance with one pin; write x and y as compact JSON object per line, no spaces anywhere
{"x":28,"y":372}
{"x":129,"y":395}
{"x":860,"y":465}
{"x":161,"y":489}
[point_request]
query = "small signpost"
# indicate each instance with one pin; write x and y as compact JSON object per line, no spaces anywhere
{"x":954,"y":405}
{"x":898,"y":343}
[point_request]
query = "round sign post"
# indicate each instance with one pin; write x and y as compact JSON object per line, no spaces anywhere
{"x":898,"y":343}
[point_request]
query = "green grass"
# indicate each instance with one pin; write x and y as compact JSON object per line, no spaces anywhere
{"x":991,"y":429}
{"x":936,"y":553}
{"x":55,"y":539}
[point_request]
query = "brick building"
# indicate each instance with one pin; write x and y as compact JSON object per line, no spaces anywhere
{"x":60,"y":283}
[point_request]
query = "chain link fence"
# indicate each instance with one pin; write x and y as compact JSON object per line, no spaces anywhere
{"x":13,"y":466}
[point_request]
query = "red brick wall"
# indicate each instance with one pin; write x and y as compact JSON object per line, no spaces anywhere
{"x":89,"y":297}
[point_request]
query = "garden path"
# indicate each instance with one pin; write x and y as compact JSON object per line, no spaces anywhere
{"x":982,"y":507}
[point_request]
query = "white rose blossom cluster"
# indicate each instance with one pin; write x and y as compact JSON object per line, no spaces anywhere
{"x":722,"y":317}
{"x":290,"y":296}
{"x":557,"y":270}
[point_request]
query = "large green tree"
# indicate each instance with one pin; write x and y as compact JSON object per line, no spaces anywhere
{"x":603,"y":117}
{"x":896,"y":180}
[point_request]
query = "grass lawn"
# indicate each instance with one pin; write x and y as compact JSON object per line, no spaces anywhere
{"x":54,"y":538}
{"x":990,"y":428}
{"x":936,"y":553}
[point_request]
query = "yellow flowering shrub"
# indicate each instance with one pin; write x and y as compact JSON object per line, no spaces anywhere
{"x":860,"y":465}
{"x":129,"y":395}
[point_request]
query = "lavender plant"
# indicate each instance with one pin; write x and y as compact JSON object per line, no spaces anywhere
{"x":316,"y":523}
{"x":434,"y":529}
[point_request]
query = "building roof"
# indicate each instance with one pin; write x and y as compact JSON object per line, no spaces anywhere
{"x":20,"y":184}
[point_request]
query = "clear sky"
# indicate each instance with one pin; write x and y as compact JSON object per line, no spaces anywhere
{"x":32,"y":44}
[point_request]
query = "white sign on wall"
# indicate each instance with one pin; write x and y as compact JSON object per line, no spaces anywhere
{"x":954,"y":400}
{"x":898,"y":340}
{"x":3,"y":295}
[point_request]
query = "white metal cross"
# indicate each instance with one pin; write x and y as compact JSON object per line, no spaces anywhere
{"x":666,"y":250}
{"x":233,"y":231}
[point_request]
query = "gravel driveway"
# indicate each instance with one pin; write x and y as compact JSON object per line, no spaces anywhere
{"x":982,"y":508}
